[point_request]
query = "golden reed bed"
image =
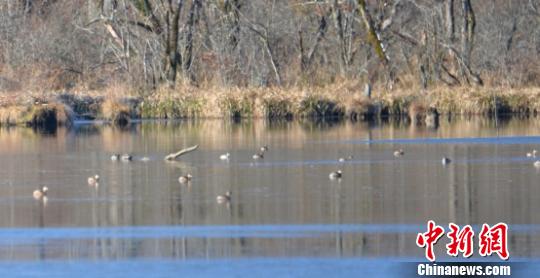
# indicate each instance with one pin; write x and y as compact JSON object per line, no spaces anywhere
{"x":347,"y":100}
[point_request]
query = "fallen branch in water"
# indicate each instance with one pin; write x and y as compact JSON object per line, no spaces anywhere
{"x":173,"y":156}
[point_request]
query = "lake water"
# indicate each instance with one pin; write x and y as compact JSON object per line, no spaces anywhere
{"x":286,"y":217}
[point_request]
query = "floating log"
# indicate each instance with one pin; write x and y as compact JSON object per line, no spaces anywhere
{"x":173,"y":156}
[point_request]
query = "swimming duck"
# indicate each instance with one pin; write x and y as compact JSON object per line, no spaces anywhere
{"x":343,"y":159}
{"x":40,"y":193}
{"x":445,"y":160}
{"x":185,"y":179}
{"x":259,"y":155}
{"x":224,"y":198}
{"x":93,"y":180}
{"x":532,"y":154}
{"x":264,"y":148}
{"x":115,"y":157}
{"x":225,"y":156}
{"x":537,"y":164}
{"x":126,"y":157}
{"x":335,"y":175}
{"x":399,"y":153}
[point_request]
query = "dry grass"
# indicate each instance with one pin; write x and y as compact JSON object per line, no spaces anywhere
{"x":116,"y":111}
{"x":344,"y":99}
{"x":12,"y":115}
{"x":38,"y":114}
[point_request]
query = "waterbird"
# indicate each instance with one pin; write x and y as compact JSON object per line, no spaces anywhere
{"x":185,"y":178}
{"x":225,"y":156}
{"x":40,"y":193}
{"x":264,"y":148}
{"x":335,"y":175}
{"x":532,"y":154}
{"x":126,"y":157}
{"x":145,"y":159}
{"x":445,"y":160}
{"x":399,"y":153}
{"x":115,"y":157}
{"x":259,"y":155}
{"x":93,"y":180}
{"x":343,"y":159}
{"x":537,"y":164}
{"x":224,"y":198}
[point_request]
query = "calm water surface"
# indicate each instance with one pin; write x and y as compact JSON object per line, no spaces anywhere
{"x":286,"y":217}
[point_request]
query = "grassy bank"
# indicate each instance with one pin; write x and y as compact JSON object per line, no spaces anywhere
{"x":120,"y":105}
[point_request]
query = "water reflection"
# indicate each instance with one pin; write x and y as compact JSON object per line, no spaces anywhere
{"x":140,"y":209}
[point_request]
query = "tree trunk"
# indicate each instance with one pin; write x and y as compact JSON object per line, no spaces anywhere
{"x":232,"y":8}
{"x":27,"y":6}
{"x":467,"y":37}
{"x":172,"y":45}
{"x":448,"y":75}
{"x":175,"y":155}
{"x":372,"y":38}
{"x":273,"y":61}
{"x":449,"y":19}
{"x":188,"y":52}
{"x":338,"y":20}
{"x":307,"y":58}
{"x":467,"y":31}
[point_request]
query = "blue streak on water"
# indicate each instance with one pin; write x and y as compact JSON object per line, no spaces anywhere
{"x":255,"y":267}
{"x":255,"y":231}
{"x":275,"y":267}
{"x":271,"y":231}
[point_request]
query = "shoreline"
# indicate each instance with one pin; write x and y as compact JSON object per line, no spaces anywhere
{"x":334,"y":102}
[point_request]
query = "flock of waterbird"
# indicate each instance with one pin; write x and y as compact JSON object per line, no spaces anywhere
{"x":445,"y":160}
{"x":533,"y":155}
{"x":41,"y":193}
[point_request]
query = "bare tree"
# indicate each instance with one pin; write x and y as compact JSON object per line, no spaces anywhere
{"x":188,"y":52}
{"x":147,"y":43}
{"x":449,"y":19}
{"x":307,"y":55}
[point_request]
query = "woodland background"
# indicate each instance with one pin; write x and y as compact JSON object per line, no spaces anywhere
{"x":94,"y":44}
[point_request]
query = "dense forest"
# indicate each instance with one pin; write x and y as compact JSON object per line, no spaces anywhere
{"x":91,"y":44}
